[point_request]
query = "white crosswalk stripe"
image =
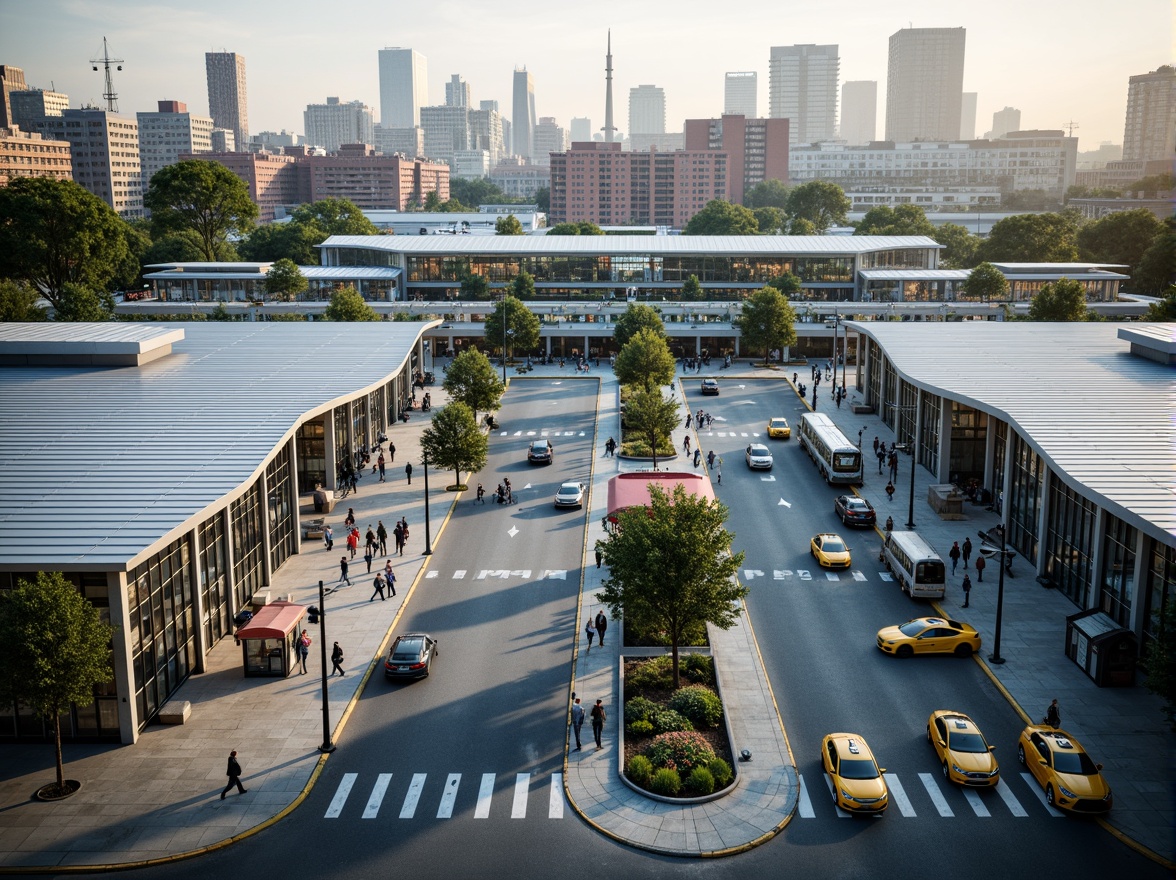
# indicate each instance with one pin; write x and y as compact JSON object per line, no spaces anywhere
{"x":408,"y":808}
{"x":805,"y":806}
{"x":448,"y":796}
{"x":1006,"y":795}
{"x":898,"y":795}
{"x":555,"y":798}
{"x":377,"y":796}
{"x":841,"y":814}
{"x":976,"y":803}
{"x":340,"y":797}
{"x":937,"y":798}
{"x":1039,"y":793}
{"x":518,"y":809}
{"x":485,"y":795}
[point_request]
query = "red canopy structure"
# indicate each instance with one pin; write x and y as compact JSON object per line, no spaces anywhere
{"x":632,"y":490}
{"x":273,"y":621}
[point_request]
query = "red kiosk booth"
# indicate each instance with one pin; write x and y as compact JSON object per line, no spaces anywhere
{"x":269,"y":639}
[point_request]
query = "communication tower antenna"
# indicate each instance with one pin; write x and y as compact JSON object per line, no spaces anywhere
{"x":109,"y":96}
{"x":1070,"y":126}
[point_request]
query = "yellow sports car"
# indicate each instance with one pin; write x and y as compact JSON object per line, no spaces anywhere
{"x":1061,"y":766}
{"x":778,"y":428}
{"x":929,"y":635}
{"x":964,"y":754}
{"x":858,"y":785}
{"x":830,"y":551}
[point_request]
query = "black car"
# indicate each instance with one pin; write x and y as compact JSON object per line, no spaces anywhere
{"x":411,"y":656}
{"x":854,"y":510}
{"x":540,"y":452}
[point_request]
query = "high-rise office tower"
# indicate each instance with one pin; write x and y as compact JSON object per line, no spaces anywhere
{"x":31,"y":105}
{"x":647,"y":110}
{"x":486,"y":131}
{"x":968,"y":116}
{"x":523,"y":114}
{"x":227,"y":100}
{"x":925,"y":84}
{"x":802,"y":87}
{"x":581,"y":129}
{"x":447,"y":130}
{"x":1004,"y":121}
{"x":404,"y":87}
{"x":549,"y":138}
{"x":333,"y":124}
{"x":740,"y":93}
{"x":1150,"y":128}
{"x":104,"y":147}
{"x":859,"y":112}
{"x":457,"y":92}
{"x":167,"y":133}
{"x":12,"y":79}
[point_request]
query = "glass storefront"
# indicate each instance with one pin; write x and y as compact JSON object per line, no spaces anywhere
{"x":214,"y":580}
{"x":311,"y":451}
{"x":929,"y":431}
{"x":1118,"y":570}
{"x":282,"y":506}
{"x":246,"y":524}
{"x":1158,"y":590}
{"x":969,"y":438}
{"x":1024,"y":501}
{"x":1071,"y":524}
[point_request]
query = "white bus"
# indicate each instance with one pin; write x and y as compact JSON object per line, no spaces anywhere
{"x":838,"y":460}
{"x":918,"y":569}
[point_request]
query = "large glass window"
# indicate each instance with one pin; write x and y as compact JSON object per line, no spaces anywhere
{"x":245,"y":523}
{"x":1118,"y":570}
{"x":1158,"y":591}
{"x":214,"y":580}
{"x":311,"y":449}
{"x":929,"y":432}
{"x":1024,"y":501}
{"x":969,"y":438}
{"x":1071,"y":523}
{"x":999,"y":451}
{"x":159,"y":604}
{"x":282,"y":509}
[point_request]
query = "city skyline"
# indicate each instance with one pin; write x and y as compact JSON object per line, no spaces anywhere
{"x":164,"y":44}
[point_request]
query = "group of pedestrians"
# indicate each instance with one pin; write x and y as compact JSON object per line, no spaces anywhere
{"x":596,"y":627}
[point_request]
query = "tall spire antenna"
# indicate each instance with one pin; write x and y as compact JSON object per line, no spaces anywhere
{"x":109,"y":96}
{"x":609,"y":128}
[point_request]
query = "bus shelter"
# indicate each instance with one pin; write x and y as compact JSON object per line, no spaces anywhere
{"x":269,"y":639}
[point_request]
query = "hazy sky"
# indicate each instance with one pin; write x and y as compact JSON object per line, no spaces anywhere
{"x":1055,"y":60}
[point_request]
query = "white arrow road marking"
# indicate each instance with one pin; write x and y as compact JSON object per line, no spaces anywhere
{"x":582,"y":434}
{"x":784,"y":503}
{"x":485,"y":794}
{"x":377,"y":796}
{"x":1010,"y":799}
{"x":558,"y":574}
{"x":557,"y":383}
{"x":977,"y":804}
{"x":571,"y":433}
{"x":1036,"y":789}
{"x":782,"y":574}
{"x":431,"y":574}
{"x":413,"y":796}
{"x":936,"y":795}
{"x":830,"y":576}
{"x":857,"y":575}
{"x":899,"y":795}
{"x":555,"y":801}
{"x":516,"y":433}
{"x":885,"y":576}
{"x":445,"y":808}
{"x":459,"y":574}
{"x":752,"y":573}
{"x":805,"y":806}
{"x":530,"y":433}
{"x":528,"y":486}
{"x":742,"y":402}
{"x":513,"y":531}
{"x":770,"y":478}
{"x":340,"y":798}
{"x":504,"y":433}
{"x":518,"y":809}
{"x":804,"y":574}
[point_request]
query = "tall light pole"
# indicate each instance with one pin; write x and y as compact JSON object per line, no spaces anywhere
{"x":328,"y":744}
{"x":504,"y":296}
{"x":1001,"y":554}
{"x":428,"y":538}
{"x":910,"y":447}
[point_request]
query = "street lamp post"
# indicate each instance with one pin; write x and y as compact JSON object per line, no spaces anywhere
{"x":328,"y":745}
{"x":504,"y":296}
{"x":910,"y":447}
{"x":428,"y":537}
{"x":1003,"y":555}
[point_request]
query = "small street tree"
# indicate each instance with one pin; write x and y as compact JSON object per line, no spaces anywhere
{"x":670,"y":567}
{"x":692,"y":290}
{"x":18,"y":302}
{"x":508,"y":225}
{"x":637,"y":317}
{"x":766,"y":321}
{"x":1061,"y":300}
{"x":645,"y":361}
{"x":653,"y":418}
{"x":821,"y":202}
{"x":519,"y":329}
{"x":788,"y":284}
{"x":285,"y":280}
{"x":56,"y":650}
{"x":348,"y":305}
{"x":471,"y":379}
{"x":720,"y":217}
{"x":959,"y":246}
{"x":202,"y":196}
{"x":986,"y":283}
{"x":454,"y":441}
{"x":474,"y":286}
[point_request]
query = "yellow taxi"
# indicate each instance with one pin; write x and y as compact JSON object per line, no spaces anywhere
{"x":963,"y":752}
{"x":1071,"y":780}
{"x":858,"y":784}
{"x":929,"y":635}
{"x":830,"y":551}
{"x":778,"y":428}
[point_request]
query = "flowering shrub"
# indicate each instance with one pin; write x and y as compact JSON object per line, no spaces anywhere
{"x":698,"y":703}
{"x":680,"y":751}
{"x":667,"y":720}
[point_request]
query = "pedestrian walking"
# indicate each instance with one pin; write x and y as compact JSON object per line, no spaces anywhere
{"x":875,"y":446}
{"x":329,"y":538}
{"x":408,"y":472}
{"x":353,"y":542}
{"x":337,"y":661}
{"x":890,"y":491}
{"x":1053,"y":715}
{"x":689,"y":420}
{"x":390,"y":580}
{"x":599,"y":554}
{"x":967,"y":550}
{"x":391,"y":452}
{"x":343,"y":578}
{"x":404,"y":521}
{"x":686,"y":444}
{"x":598,"y":718}
{"x":481,"y":494}
{"x":577,"y":720}
{"x":980,"y":563}
{"x":590,"y":631}
{"x":303,"y":650}
{"x":234,"y":774}
{"x":967,"y":589}
{"x":697,"y":458}
{"x":367,"y":557}
{"x":881,"y":458}
{"x":601,"y":626}
{"x":954,"y":555}
{"x":378,"y":583}
{"x":893,"y":465}
{"x":382,"y":537}
{"x":710,"y":459}
{"x":398,"y":536}
{"x":382,"y":480}
{"x":890,"y":524}
{"x":719,"y":471}
{"x":349,"y":520}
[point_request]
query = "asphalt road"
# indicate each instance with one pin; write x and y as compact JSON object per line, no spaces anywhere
{"x":457,"y":775}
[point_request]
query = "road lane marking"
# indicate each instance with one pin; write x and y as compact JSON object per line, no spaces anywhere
{"x":830,"y":576}
{"x":1010,"y":799}
{"x":805,"y":806}
{"x":857,"y":575}
{"x":377,"y":796}
{"x":781,"y":574}
{"x":937,"y":798}
{"x":1039,"y":793}
{"x":555,"y":801}
{"x":783,"y":503}
{"x":485,"y":793}
{"x":899,"y":795}
{"x":459,"y":574}
{"x":408,"y":808}
{"x":977,"y":803}
{"x":448,"y":796}
{"x":340,"y":798}
{"x":768,"y":479}
{"x":751,"y":574}
{"x":431,"y":574}
{"x":557,"y":574}
{"x":804,"y":574}
{"x":518,"y":809}
{"x":512,"y":531}
{"x":885,"y":576}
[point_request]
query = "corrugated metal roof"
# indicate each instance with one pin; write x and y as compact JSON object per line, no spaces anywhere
{"x":97,"y":464}
{"x":329,"y":273}
{"x":1094,"y":411}
{"x":616,"y":245}
{"x":914,"y":274}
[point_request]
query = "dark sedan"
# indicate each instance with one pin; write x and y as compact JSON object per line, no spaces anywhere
{"x":854,"y":511}
{"x":540,"y":452}
{"x":411,"y":656}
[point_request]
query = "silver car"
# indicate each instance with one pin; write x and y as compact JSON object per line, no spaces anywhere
{"x":758,"y":457}
{"x":570,"y":495}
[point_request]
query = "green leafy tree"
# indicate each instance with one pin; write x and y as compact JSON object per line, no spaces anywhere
{"x":348,"y":305}
{"x":653,"y":418}
{"x":802,"y":226}
{"x":1122,"y":237}
{"x":508,"y":225}
{"x":54,"y":233}
{"x":175,"y":247}
{"x":1029,"y":200}
{"x":453,"y":206}
{"x":722,"y":218}
{"x":637,"y":317}
{"x":81,"y":304}
{"x":202,"y":196}
{"x":903,"y":220}
{"x":671,"y":569}
{"x":1061,"y":300}
{"x":582,"y":228}
{"x":523,"y":286}
{"x":645,"y":361}
{"x":1153,"y":187}
{"x":477,"y":191}
{"x":334,"y":217}
{"x":822,"y":203}
{"x":472,"y":380}
{"x":543,"y":199}
{"x":285,"y":280}
{"x":18,"y":303}
{"x":56,"y":651}
{"x":474,"y":286}
{"x":788,"y":284}
{"x":433,"y":202}
{"x":692,"y":290}
{"x":512,"y":324}
{"x":1159,"y":658}
{"x":771,"y":221}
{"x":454,"y":442}
{"x":1157,"y":268}
{"x":767,"y":194}
{"x":1031,"y":238}
{"x":959,"y":246}
{"x":986,"y":283}
{"x":766,"y":321}
{"x":1165,"y":310}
